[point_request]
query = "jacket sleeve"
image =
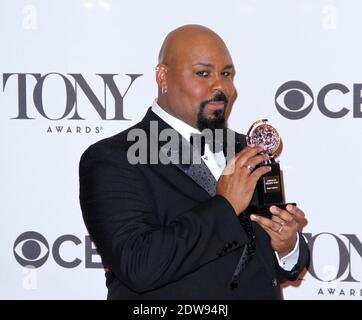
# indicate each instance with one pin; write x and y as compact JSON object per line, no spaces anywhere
{"x":303,"y":261}
{"x":121,"y":218}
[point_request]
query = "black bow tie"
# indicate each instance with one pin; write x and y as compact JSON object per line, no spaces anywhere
{"x":198,"y":140}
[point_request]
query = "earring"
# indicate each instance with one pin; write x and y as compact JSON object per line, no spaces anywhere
{"x":164,"y":90}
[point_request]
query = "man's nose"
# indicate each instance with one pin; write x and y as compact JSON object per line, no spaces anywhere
{"x":226,"y":86}
{"x":219,"y":85}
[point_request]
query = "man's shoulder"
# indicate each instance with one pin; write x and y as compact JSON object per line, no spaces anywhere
{"x":118,"y":140}
{"x":115,"y":144}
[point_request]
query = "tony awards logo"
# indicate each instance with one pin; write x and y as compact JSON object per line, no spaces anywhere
{"x":269,"y":189}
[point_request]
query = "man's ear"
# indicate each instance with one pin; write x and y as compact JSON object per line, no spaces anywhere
{"x":161,"y":75}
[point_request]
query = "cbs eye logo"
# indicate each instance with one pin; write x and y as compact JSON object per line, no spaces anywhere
{"x":294,"y":100}
{"x":31,"y":249}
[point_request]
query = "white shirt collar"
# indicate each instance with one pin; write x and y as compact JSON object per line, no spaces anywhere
{"x":180,"y":126}
{"x":215,"y":161}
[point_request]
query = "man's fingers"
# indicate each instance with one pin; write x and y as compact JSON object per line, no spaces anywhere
{"x":247,"y":159}
{"x":282,"y":214}
{"x":266,"y":223}
{"x":277,"y":219}
{"x":294,"y":210}
{"x":254,"y":161}
{"x":258,"y":173}
{"x":247,"y":153}
{"x":293,"y":216}
{"x":298,"y":215}
{"x":289,"y":219}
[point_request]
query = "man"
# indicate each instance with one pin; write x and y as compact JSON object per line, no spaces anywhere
{"x":180,"y":231}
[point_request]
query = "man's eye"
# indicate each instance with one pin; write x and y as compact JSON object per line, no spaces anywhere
{"x":226,"y":73}
{"x":202,"y":73}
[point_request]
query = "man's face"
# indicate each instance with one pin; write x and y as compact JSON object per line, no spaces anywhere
{"x":200,"y":83}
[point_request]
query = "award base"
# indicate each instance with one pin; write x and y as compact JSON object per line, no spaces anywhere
{"x":268,"y":191}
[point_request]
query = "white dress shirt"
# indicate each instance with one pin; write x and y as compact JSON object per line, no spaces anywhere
{"x":216,"y":163}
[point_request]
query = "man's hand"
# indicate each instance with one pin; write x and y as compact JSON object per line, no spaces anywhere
{"x":238,"y":180}
{"x":282,"y":227}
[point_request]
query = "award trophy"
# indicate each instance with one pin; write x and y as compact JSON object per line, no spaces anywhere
{"x":269,"y":188}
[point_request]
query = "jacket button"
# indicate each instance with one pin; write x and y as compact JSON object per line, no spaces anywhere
{"x":274,"y":282}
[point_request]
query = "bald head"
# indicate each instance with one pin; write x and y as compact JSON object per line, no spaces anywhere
{"x":195,"y":76}
{"x":182,"y":38}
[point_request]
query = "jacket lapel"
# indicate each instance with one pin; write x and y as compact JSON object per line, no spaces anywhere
{"x":202,"y":175}
{"x":198,"y":171}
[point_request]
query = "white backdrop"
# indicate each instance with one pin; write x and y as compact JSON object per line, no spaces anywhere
{"x":272,"y":43}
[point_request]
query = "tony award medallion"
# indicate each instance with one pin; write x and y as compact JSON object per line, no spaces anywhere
{"x":269,"y":189}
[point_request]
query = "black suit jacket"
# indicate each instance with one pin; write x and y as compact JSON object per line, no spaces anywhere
{"x":162,"y":233}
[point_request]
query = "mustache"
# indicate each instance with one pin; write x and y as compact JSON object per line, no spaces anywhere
{"x":217,"y":98}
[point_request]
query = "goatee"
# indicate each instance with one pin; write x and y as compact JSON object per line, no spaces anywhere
{"x":217,"y":120}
